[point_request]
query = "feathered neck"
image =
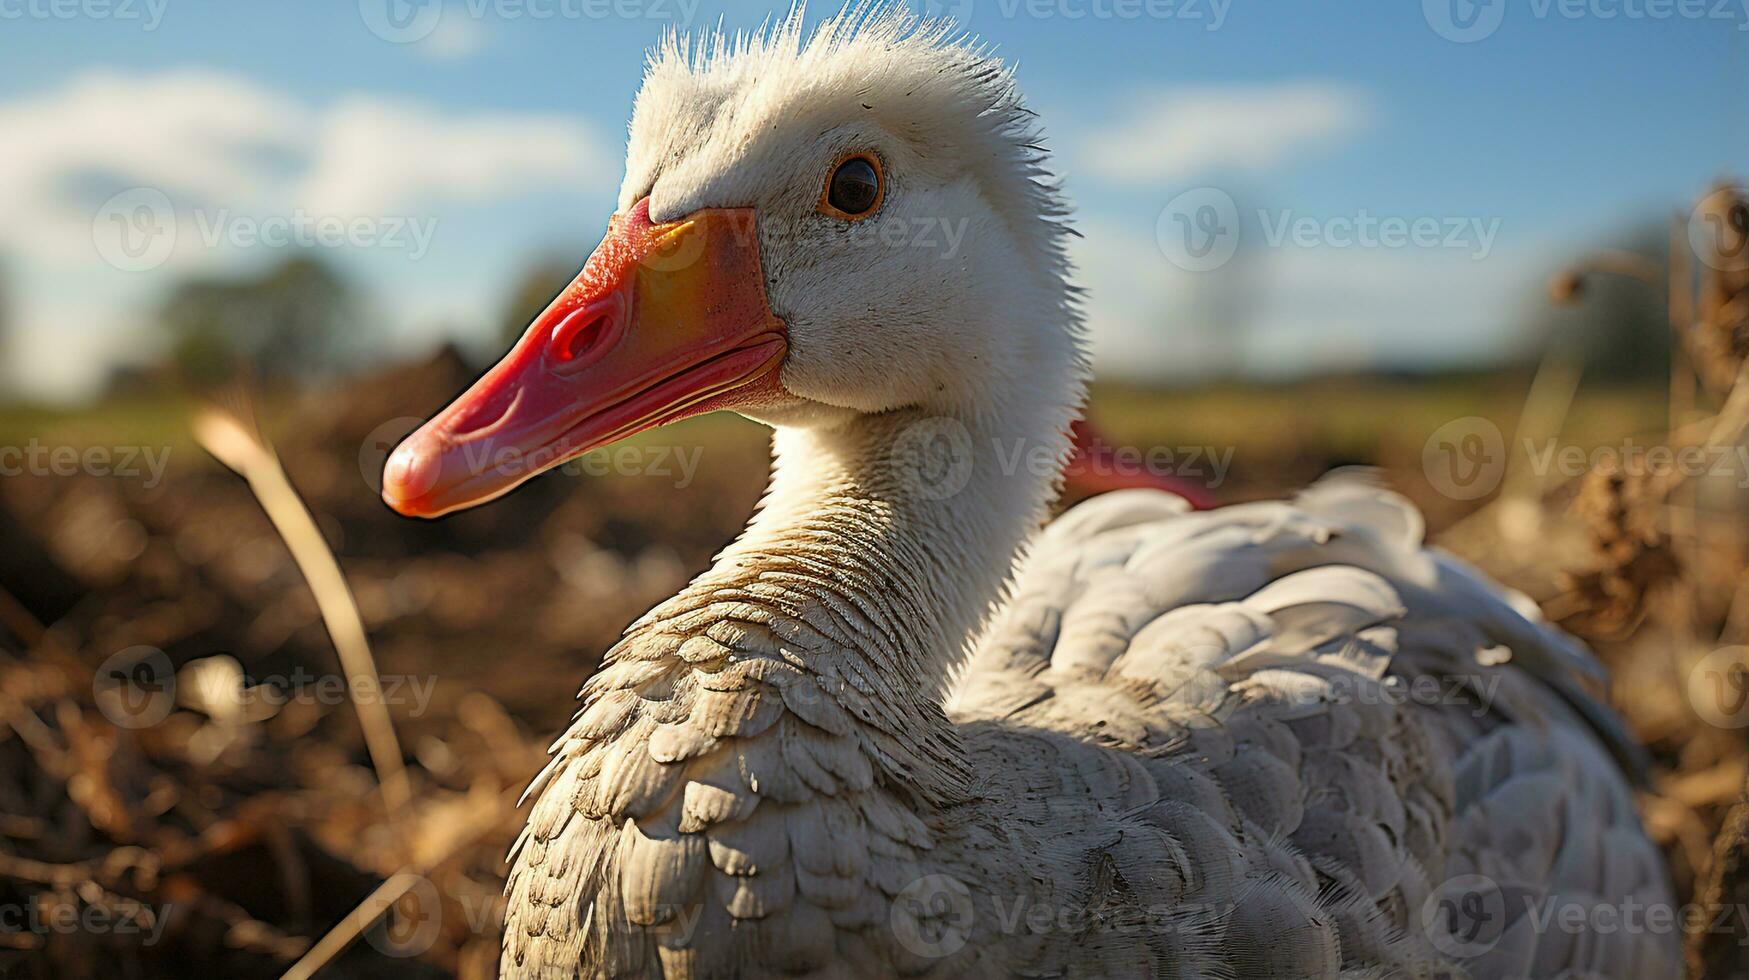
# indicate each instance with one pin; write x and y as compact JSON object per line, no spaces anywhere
{"x":892,"y":537}
{"x":937,"y":507}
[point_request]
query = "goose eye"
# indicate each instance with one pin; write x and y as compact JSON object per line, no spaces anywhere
{"x":854,"y":190}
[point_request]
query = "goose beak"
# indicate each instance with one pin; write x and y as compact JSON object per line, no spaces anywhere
{"x":665,"y":322}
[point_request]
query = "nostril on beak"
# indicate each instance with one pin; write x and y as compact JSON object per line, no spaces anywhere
{"x":576,"y":335}
{"x":582,"y":331}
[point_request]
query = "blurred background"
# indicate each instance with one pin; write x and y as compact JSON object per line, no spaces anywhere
{"x":1494,"y":249}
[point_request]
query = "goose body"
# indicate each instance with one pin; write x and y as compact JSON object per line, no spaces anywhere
{"x":896,"y":730}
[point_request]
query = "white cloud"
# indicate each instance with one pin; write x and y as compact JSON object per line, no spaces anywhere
{"x":373,"y":156}
{"x":220,"y":148}
{"x":212,"y":141}
{"x":192,"y":134}
{"x":1178,"y":133}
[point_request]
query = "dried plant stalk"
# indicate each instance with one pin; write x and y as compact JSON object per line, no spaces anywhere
{"x":1717,"y":954}
{"x":236,"y":444}
{"x":485,"y":811}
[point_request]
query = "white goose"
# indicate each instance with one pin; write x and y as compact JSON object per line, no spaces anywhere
{"x":1274,"y":740}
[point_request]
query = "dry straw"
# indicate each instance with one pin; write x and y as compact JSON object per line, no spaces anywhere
{"x":228,"y":432}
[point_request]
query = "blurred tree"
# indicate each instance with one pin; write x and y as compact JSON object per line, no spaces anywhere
{"x":7,"y":354}
{"x":1614,"y":304}
{"x":8,"y":357}
{"x":531,"y":294}
{"x":291,"y":321}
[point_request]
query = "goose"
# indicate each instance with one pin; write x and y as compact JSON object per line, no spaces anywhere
{"x":904,"y":726}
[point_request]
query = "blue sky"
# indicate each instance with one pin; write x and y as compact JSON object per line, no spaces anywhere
{"x":1553,"y":128}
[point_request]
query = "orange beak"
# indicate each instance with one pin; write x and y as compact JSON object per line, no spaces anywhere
{"x":665,"y":322}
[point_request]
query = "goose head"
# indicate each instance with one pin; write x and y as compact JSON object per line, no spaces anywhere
{"x":811,"y":231}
